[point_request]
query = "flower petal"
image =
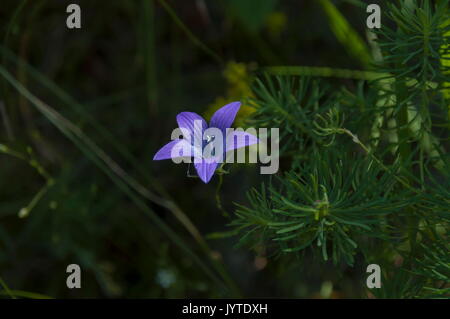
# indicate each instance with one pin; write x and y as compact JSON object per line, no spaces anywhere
{"x":224,"y":117}
{"x":192,"y":121}
{"x":205,"y":169}
{"x":238,"y":139}
{"x":174,"y":149}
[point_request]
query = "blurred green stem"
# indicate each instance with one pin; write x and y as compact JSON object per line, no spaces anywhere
{"x":6,"y":288}
{"x":26,"y":294}
{"x":189,"y":34}
{"x":218,"y":200}
{"x":322,"y":72}
{"x":149,"y":48}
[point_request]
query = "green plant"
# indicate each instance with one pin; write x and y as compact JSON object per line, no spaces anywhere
{"x":366,"y":175}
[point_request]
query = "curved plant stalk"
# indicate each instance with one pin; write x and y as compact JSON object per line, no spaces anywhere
{"x":6,"y":288}
{"x":189,"y":34}
{"x":25,"y":211}
{"x":13,"y":294}
{"x":323,"y":72}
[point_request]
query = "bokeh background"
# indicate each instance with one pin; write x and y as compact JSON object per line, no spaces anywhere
{"x":121,"y":79}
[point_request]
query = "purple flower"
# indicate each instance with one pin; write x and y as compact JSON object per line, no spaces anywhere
{"x":199,"y":138}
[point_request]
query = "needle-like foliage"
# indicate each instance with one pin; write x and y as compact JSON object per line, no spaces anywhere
{"x":332,"y":203}
{"x":290,"y":103}
{"x":366,"y":170}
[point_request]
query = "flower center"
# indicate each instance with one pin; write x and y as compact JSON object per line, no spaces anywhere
{"x":209,"y":138}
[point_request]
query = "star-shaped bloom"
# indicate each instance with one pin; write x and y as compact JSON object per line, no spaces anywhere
{"x":213,"y":139}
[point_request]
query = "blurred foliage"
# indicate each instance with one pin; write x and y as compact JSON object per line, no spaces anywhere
{"x":252,"y":13}
{"x":238,"y":79}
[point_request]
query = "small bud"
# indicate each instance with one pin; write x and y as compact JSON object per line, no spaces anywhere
{"x":23,"y":212}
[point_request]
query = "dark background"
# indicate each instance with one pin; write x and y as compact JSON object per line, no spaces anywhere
{"x":131,"y":68}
